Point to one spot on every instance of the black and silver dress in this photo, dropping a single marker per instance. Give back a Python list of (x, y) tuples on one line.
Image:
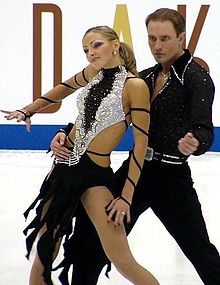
[(100, 106)]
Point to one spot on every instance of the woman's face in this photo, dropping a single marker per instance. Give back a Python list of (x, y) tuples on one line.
[(99, 51)]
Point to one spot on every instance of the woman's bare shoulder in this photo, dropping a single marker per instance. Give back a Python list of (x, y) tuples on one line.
[(135, 83), (90, 72)]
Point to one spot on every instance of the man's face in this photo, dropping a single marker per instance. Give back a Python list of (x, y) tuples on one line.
[(165, 46)]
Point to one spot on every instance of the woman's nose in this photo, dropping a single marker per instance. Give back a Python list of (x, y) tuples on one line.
[(91, 52)]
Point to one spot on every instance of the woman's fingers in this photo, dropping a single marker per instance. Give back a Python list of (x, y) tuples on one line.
[(28, 124), (118, 211), (19, 116), (13, 115), (6, 112)]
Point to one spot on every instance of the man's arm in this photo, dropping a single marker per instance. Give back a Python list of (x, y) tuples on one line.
[(58, 141), (200, 89)]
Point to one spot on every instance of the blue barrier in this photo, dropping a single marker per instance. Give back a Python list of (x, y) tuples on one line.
[(16, 137)]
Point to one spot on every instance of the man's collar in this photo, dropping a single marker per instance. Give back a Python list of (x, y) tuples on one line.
[(179, 67)]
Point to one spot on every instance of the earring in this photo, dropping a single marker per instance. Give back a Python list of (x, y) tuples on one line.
[(114, 52)]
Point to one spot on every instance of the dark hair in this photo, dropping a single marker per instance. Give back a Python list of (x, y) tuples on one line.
[(125, 50), (166, 14)]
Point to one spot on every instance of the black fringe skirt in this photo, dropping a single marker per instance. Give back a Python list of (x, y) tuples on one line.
[(63, 187)]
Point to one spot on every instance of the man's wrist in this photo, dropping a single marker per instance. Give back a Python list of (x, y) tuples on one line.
[(66, 130)]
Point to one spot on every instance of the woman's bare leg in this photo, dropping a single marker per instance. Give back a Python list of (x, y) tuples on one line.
[(113, 239), (36, 273), (37, 268)]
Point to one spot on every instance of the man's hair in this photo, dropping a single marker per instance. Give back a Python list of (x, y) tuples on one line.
[(166, 14)]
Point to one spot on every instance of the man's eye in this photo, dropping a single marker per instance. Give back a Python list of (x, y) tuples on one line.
[(85, 51), (152, 39), (165, 39)]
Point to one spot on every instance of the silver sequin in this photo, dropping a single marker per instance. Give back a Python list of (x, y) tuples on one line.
[(109, 112)]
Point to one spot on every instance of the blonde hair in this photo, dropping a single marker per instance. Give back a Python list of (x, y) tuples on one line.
[(125, 51)]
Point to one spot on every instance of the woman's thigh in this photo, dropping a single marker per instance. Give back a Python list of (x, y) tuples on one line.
[(113, 238)]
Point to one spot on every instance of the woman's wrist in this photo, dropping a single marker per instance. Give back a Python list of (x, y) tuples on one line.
[(125, 200), (25, 112)]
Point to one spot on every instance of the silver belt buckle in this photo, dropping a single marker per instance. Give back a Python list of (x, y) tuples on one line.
[(149, 154)]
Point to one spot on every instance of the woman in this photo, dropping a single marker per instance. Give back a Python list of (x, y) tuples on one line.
[(107, 104)]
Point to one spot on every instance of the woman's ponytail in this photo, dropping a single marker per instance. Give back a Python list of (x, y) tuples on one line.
[(127, 55)]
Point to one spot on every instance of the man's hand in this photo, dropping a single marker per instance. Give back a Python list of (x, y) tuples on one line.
[(188, 144), (58, 148)]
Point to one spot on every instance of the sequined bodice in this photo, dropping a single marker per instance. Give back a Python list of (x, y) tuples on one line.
[(99, 105)]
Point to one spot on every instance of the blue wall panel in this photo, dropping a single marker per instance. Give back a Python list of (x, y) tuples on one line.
[(16, 137)]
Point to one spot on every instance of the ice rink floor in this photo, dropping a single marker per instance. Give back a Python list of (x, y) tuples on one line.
[(21, 174)]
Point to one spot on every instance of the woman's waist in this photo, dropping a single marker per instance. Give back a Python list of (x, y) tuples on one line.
[(99, 157)]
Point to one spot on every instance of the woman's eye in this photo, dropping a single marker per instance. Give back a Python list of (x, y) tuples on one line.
[(97, 44), (85, 51)]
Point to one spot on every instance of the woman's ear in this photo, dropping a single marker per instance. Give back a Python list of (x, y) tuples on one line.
[(116, 44)]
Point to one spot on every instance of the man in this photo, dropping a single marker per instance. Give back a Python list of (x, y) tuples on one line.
[(181, 124)]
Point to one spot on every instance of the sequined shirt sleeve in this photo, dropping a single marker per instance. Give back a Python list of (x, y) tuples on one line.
[(200, 89)]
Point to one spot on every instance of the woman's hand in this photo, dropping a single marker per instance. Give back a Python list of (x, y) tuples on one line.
[(118, 210), (20, 115)]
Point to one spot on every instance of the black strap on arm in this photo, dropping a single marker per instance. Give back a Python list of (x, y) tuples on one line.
[(125, 200), (131, 181), (141, 130), (67, 85), (136, 161), (26, 115), (84, 77), (140, 109), (48, 99), (77, 83)]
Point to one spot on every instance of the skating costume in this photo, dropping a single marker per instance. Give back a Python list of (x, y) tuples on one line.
[(100, 106), (166, 186)]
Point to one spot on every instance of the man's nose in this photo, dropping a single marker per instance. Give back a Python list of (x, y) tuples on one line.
[(158, 44)]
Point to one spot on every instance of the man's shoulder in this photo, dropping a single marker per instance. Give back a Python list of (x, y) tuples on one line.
[(146, 72), (197, 77), (195, 70)]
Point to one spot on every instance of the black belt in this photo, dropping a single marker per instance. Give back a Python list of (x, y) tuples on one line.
[(166, 158)]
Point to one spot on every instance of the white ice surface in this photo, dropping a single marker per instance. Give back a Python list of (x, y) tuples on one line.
[(21, 174)]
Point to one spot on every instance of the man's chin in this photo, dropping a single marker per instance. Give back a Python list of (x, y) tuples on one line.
[(159, 59)]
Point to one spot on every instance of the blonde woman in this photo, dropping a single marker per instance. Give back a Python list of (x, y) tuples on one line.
[(113, 97)]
